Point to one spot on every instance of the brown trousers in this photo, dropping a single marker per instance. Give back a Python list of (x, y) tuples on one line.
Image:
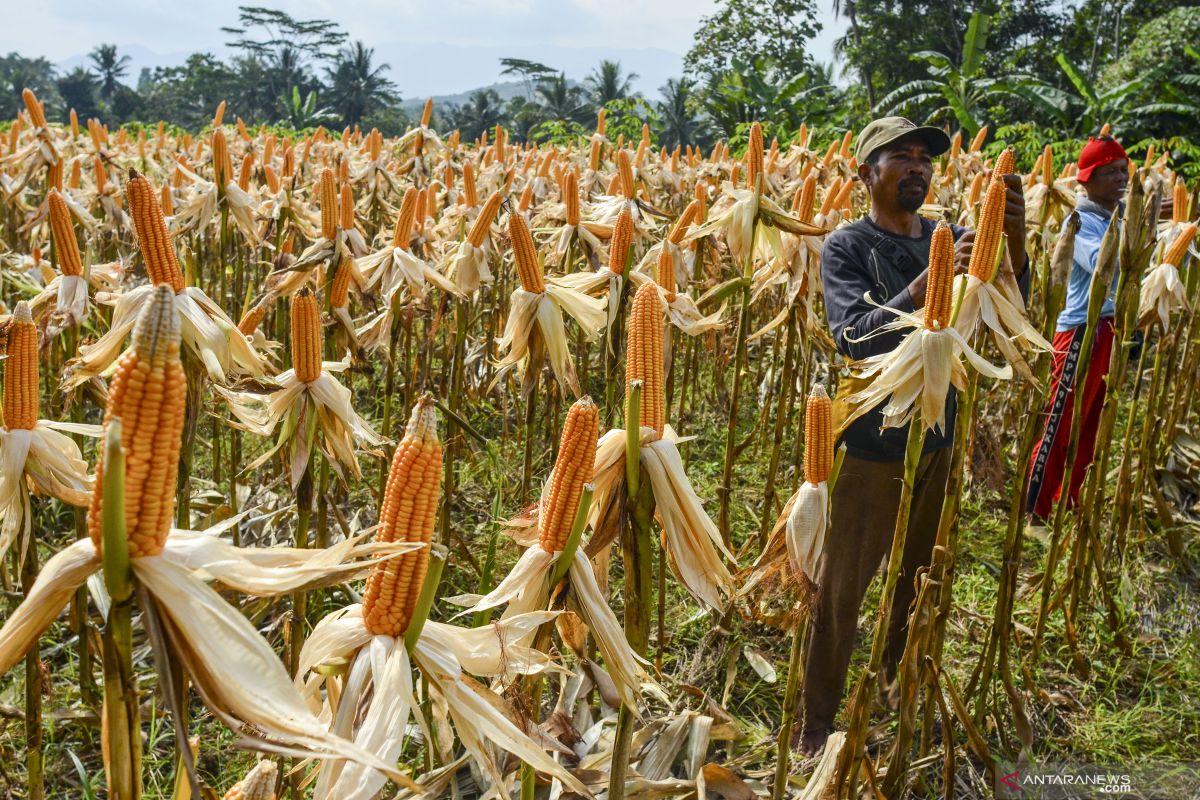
[(865, 502)]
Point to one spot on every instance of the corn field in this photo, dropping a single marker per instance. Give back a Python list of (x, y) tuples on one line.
[(336, 466)]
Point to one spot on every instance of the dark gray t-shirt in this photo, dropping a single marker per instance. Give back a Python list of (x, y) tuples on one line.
[(862, 258)]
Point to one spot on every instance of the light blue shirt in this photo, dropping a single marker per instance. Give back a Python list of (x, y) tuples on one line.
[(1093, 223)]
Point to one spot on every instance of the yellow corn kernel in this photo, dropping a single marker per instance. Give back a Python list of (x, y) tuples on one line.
[(253, 318), (307, 336), (1179, 247), (62, 233), (1006, 162), (644, 355), (346, 207), (409, 513), (483, 222), (622, 239), (21, 371), (818, 436), (162, 265), (939, 287), (148, 393), (327, 197), (572, 470), (754, 156), (529, 269), (988, 231)]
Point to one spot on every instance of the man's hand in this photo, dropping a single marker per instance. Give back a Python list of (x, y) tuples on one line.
[(1014, 222), (1167, 210), (962, 260), (962, 252)]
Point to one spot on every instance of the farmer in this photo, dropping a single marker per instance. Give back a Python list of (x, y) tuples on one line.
[(885, 254), (1103, 174)]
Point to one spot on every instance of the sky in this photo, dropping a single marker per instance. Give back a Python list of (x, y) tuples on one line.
[(433, 46)]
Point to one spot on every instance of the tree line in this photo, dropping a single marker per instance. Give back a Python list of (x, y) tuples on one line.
[(1038, 70)]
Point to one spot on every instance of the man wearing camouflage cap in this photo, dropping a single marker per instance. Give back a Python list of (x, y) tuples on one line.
[(884, 256)]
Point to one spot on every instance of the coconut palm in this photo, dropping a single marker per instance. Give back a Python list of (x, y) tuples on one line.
[(357, 86), (562, 101), (109, 68), (606, 83), (679, 124)]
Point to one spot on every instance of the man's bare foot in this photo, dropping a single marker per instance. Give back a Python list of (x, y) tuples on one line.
[(813, 741)]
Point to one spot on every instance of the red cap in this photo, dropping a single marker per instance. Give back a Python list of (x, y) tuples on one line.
[(1097, 153)]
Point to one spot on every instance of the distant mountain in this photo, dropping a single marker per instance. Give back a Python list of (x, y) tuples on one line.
[(506, 89)]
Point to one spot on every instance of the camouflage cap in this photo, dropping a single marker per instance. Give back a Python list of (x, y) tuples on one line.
[(884, 131)]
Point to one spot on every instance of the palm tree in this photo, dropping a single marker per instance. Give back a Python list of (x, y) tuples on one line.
[(483, 111), (109, 69), (679, 124), (606, 83), (356, 85), (562, 101), (78, 90), (956, 91)]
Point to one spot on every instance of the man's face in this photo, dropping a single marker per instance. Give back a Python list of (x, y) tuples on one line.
[(900, 178), (1107, 183)]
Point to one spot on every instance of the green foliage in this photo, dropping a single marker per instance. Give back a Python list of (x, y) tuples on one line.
[(762, 91), (625, 118), (772, 30), (17, 73)]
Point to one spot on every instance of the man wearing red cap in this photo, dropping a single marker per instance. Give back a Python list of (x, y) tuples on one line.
[(1103, 174)]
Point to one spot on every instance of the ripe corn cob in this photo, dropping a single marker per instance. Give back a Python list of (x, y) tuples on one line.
[(259, 783), (976, 189), (625, 171), (979, 139), (76, 174), (272, 179), (247, 171), (306, 336), (219, 115), (570, 193), (62, 233), (529, 269), (644, 354), (162, 265), (594, 156), (988, 231), (818, 436), (754, 156), (409, 512), (1047, 166), (622, 238), (339, 286), (37, 114), (939, 288), (572, 469), (254, 317), (222, 165), (21, 371), (684, 222), (148, 393), (55, 178), (526, 199), (100, 174), (469, 188), (805, 196), (483, 222), (956, 145), (327, 201), (1006, 162), (404, 219), (346, 207), (1178, 248), (1179, 208), (843, 196), (168, 205)]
